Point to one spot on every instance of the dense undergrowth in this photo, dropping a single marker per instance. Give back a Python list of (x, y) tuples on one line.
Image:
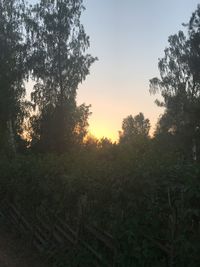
[(148, 200)]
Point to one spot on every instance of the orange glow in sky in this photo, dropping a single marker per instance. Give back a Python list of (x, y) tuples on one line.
[(100, 131), (128, 37), (128, 50)]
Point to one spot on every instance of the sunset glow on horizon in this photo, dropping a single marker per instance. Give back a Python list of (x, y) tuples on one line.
[(100, 131), (128, 38)]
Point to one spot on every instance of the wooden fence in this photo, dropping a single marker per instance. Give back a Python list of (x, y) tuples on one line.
[(53, 239)]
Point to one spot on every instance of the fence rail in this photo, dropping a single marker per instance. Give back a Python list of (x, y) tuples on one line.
[(51, 238)]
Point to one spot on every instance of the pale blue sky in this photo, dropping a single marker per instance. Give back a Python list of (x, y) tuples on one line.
[(128, 37)]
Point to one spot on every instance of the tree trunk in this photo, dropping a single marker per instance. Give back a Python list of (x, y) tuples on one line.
[(11, 137)]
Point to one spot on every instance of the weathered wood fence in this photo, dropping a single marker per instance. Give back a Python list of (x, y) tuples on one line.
[(52, 239)]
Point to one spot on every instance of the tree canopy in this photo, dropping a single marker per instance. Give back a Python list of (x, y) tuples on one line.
[(132, 127), (59, 64), (47, 43), (13, 72), (179, 83)]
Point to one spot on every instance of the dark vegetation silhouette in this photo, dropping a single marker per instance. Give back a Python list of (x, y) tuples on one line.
[(142, 190)]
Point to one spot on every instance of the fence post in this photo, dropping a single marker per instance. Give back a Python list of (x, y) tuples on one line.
[(82, 204)]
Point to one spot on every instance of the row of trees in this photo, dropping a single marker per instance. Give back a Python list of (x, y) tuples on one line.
[(47, 43)]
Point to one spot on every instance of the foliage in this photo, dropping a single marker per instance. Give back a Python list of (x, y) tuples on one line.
[(132, 127), (179, 85), (13, 71), (140, 196), (59, 64)]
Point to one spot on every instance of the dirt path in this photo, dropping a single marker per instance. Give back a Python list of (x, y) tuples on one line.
[(17, 253)]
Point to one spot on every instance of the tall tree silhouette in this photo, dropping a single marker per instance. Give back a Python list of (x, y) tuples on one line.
[(179, 84), (59, 64), (133, 127), (13, 71)]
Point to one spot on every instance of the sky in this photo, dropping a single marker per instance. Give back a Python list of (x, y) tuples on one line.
[(128, 37)]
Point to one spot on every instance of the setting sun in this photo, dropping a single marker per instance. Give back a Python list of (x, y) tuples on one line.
[(100, 131)]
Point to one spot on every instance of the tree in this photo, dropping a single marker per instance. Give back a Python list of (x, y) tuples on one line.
[(175, 80), (59, 64), (179, 84), (194, 34), (105, 143), (13, 71), (133, 127)]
